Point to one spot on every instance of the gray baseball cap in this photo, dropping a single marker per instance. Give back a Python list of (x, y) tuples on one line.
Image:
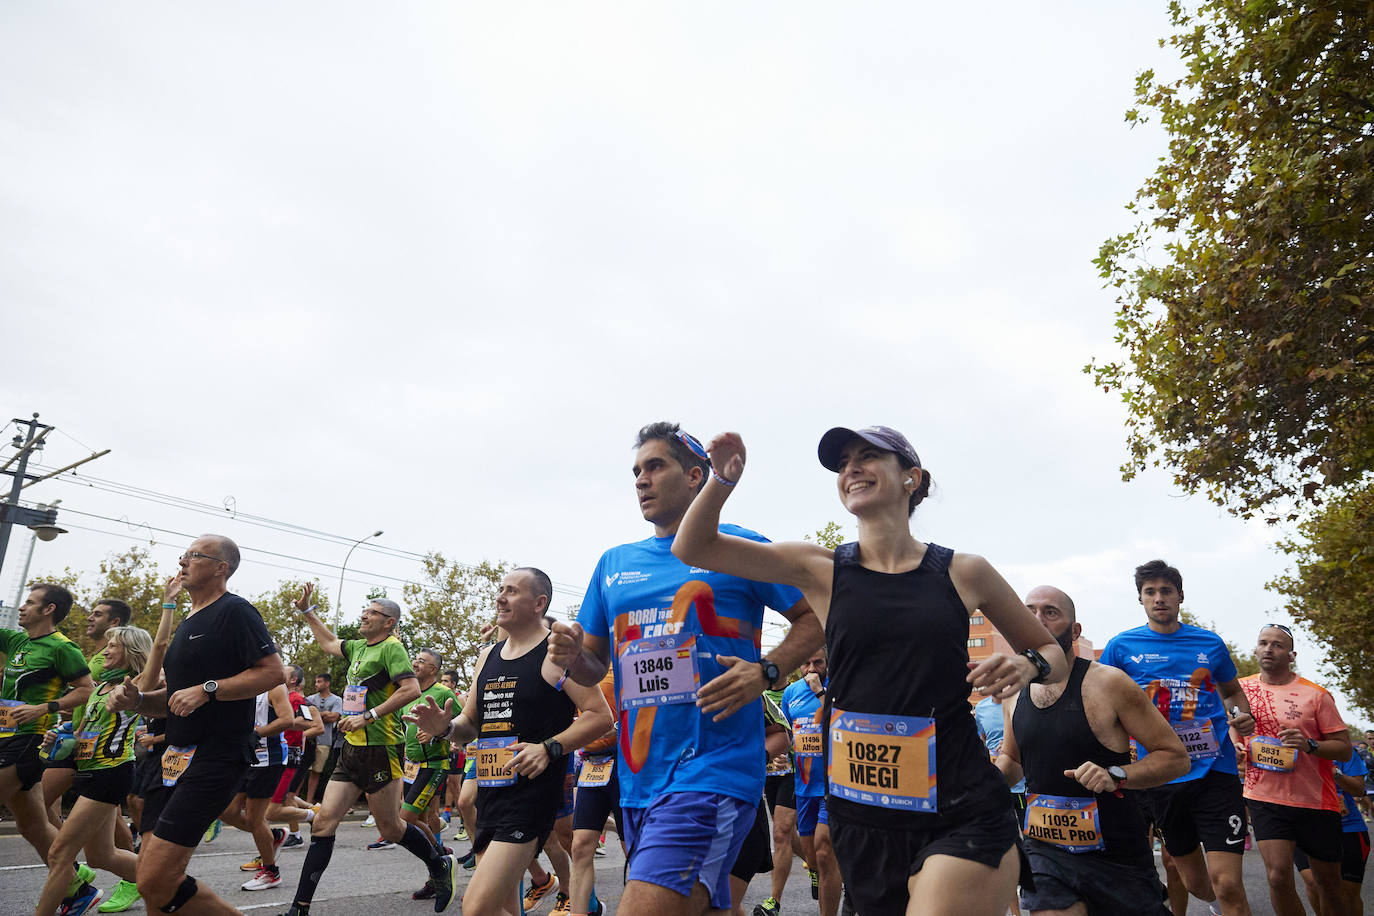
[(884, 437)]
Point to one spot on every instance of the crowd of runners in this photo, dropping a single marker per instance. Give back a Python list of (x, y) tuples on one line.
[(656, 715)]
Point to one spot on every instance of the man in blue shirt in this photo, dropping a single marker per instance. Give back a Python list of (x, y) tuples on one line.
[(691, 771), (1188, 674), (801, 705)]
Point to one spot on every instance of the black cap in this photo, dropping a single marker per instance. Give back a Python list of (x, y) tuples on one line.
[(884, 437)]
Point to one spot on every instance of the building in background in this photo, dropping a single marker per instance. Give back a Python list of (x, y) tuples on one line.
[(984, 640)]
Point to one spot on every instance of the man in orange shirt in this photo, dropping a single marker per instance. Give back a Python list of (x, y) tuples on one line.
[(1290, 792)]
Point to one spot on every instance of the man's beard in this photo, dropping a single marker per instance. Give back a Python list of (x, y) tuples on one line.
[(1066, 641)]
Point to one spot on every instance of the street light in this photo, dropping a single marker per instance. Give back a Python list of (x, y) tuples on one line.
[(338, 595)]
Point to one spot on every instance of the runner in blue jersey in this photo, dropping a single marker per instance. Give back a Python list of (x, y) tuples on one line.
[(685, 645), (801, 706), (1188, 674)]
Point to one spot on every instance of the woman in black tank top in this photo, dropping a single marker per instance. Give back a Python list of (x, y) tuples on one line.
[(920, 819)]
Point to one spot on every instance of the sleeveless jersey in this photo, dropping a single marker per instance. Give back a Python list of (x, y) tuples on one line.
[(271, 750), (514, 701), (898, 645), (113, 732), (1058, 738)]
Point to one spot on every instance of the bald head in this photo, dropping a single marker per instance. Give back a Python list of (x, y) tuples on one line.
[(1054, 608)]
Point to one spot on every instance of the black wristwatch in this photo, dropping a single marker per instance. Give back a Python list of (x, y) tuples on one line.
[(53, 706), (1311, 746), (554, 749), (770, 673), (1042, 667), (1118, 774)]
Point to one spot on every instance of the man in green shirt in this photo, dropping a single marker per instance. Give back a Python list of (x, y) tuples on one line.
[(40, 663), (380, 683), (427, 761)]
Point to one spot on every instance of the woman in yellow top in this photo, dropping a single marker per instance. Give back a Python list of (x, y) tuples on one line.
[(104, 772)]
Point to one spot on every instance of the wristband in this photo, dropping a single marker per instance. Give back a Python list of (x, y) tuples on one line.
[(728, 483), (169, 605), (53, 707), (309, 610), (562, 680)]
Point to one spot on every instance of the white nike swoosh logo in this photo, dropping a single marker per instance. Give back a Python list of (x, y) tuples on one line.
[(1234, 842), (197, 636)]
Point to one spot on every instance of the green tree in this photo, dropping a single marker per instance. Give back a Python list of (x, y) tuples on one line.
[(295, 643), (1331, 591), (1246, 289), (832, 536), (448, 610), (130, 576), (1246, 664)]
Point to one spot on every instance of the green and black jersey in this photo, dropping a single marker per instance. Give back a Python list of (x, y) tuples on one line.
[(432, 756), (104, 738), (378, 669), (97, 665), (36, 671)]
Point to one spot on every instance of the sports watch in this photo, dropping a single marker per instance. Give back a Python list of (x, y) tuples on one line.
[(210, 687), (1311, 746), (1118, 774), (770, 673), (553, 749), (1042, 667)]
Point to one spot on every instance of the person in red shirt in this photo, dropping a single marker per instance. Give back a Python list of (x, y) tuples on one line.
[(1289, 789)]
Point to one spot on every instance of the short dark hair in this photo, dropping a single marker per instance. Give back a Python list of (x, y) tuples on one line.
[(1157, 569), (297, 673), (452, 675), (119, 610), (59, 597), (667, 432), (328, 678), (543, 585)]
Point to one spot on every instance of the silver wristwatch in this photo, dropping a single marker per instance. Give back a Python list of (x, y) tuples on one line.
[(210, 687)]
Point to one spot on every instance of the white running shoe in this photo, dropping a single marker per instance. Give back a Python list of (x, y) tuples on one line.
[(263, 880), (369, 822)]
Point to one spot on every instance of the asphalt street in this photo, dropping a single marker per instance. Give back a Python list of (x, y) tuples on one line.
[(360, 881)]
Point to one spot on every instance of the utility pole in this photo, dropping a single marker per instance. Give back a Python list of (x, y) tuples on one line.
[(42, 520)]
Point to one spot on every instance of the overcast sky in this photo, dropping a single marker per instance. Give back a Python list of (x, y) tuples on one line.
[(428, 267)]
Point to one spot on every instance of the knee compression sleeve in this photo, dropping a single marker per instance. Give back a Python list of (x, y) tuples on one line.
[(185, 892)]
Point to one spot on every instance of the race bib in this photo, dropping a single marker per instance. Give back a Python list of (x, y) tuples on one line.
[(354, 700), (261, 753), (1198, 737), (85, 745), (411, 771), (782, 769), (659, 671), (492, 756), (884, 761), (1271, 754), (1065, 821), (7, 723), (807, 737), (175, 760), (596, 771)]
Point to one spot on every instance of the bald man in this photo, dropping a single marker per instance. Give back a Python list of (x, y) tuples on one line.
[(1085, 835)]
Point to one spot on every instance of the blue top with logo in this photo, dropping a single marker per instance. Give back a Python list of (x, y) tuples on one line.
[(1179, 672), (988, 715), (640, 591), (1352, 821), (800, 705)]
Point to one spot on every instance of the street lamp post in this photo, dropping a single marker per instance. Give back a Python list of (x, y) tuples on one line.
[(338, 594)]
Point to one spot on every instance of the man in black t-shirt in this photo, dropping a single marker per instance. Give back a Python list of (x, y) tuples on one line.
[(220, 659)]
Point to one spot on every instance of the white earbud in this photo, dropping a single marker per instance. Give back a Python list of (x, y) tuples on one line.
[(908, 480)]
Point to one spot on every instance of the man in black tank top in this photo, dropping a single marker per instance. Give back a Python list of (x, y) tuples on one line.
[(520, 709), (1085, 836)]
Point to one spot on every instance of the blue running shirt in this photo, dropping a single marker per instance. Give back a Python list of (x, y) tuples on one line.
[(988, 715), (1352, 821), (799, 706), (1179, 672), (641, 591)]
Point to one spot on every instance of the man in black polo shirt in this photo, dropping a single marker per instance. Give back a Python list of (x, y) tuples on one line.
[(220, 659)]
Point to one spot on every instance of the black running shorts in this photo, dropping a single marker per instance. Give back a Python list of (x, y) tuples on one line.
[(1065, 878), (756, 855), (369, 767), (876, 862), (109, 786), (1354, 855), (21, 752), (1316, 832), (1209, 810), (181, 812), (261, 782)]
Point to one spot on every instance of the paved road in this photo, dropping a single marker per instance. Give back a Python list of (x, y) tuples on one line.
[(364, 883)]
